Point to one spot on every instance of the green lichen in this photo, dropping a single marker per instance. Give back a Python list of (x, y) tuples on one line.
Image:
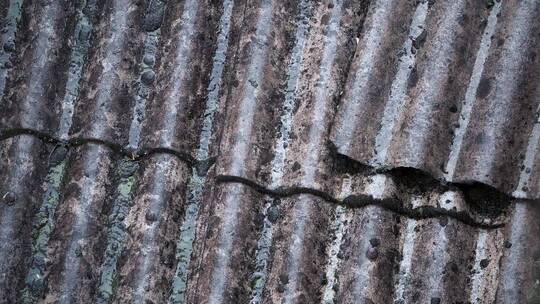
[(45, 217), (126, 170), (43, 227), (116, 233), (184, 245), (125, 188)]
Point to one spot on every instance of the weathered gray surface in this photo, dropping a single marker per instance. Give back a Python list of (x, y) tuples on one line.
[(269, 151)]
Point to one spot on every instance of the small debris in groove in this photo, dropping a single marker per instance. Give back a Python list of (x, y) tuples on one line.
[(375, 242), (9, 198), (148, 77), (372, 253), (484, 263)]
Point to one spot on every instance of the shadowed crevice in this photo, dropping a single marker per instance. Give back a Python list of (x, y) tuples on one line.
[(133, 154), (360, 201), (395, 205), (485, 199), (345, 164)]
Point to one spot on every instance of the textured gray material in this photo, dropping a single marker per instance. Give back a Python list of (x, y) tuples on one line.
[(269, 151), (465, 105)]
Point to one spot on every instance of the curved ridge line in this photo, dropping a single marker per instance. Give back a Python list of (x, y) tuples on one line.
[(361, 201), (133, 154)]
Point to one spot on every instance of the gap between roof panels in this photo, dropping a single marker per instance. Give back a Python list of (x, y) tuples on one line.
[(133, 154), (361, 200), (484, 200)]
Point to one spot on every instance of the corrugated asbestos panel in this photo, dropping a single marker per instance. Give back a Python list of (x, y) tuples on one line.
[(298, 98), (457, 97), (266, 151), (22, 164), (33, 73)]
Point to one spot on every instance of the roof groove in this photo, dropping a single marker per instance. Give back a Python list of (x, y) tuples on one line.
[(264, 243), (197, 181), (116, 228), (8, 41), (191, 223), (47, 26), (127, 167)]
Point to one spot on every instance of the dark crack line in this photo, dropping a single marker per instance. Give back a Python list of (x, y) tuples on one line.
[(202, 166), (361, 201), (358, 166), (135, 155)]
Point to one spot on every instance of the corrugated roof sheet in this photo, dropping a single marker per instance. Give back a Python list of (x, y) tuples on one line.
[(458, 99), (269, 151)]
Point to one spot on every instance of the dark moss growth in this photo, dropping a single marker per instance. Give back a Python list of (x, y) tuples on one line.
[(154, 15)]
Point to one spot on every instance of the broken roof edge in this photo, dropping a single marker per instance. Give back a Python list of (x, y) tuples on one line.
[(384, 168)]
